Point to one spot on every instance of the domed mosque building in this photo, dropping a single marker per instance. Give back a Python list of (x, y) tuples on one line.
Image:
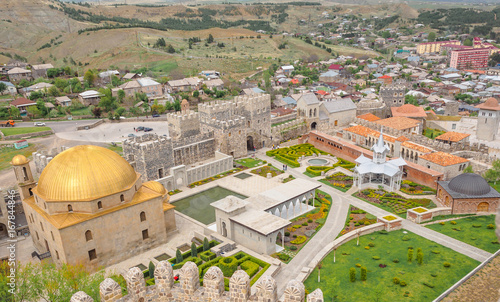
[(468, 193), (90, 207)]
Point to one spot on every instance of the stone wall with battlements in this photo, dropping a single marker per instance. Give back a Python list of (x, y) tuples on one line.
[(189, 289), (288, 130), (393, 95), (192, 149), (184, 125), (230, 135)]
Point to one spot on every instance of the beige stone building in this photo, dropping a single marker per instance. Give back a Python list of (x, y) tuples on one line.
[(90, 207)]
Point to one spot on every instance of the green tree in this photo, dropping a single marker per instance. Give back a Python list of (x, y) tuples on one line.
[(431, 37), (363, 273), (410, 255), (177, 105), (97, 111), (121, 95), (194, 252), (352, 274), (196, 93), (120, 111), (40, 104), (178, 257), (53, 91), (53, 113), (151, 268), (467, 42), (468, 169), (170, 49), (24, 83), (410, 99), (206, 244), (3, 87), (14, 112), (89, 77), (420, 256), (134, 111), (33, 111), (145, 107), (210, 38)]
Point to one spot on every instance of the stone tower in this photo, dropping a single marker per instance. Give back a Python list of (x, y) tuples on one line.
[(24, 176), (185, 106), (393, 95), (451, 108), (488, 119)]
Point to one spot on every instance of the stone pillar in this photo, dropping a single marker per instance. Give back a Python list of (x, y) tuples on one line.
[(136, 285), (315, 296), (81, 297), (267, 291), (110, 291), (190, 278), (213, 282), (239, 287), (294, 291), (164, 280)]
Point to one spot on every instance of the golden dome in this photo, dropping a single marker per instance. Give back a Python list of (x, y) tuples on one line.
[(85, 173), (19, 160), (155, 186)]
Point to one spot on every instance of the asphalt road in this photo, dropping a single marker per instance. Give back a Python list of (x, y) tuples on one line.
[(61, 126)]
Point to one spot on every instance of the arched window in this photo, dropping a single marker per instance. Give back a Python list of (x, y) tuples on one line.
[(99, 204), (143, 216), (122, 198), (25, 172), (70, 208), (88, 235)]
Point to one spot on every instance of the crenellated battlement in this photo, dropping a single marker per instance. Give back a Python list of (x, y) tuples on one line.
[(189, 290), (224, 125), (178, 116), (148, 141), (180, 142)]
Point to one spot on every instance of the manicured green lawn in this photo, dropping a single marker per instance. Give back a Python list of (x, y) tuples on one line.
[(117, 148), (22, 130), (479, 236), (7, 153), (379, 285), (309, 174), (82, 111), (331, 185), (250, 162)]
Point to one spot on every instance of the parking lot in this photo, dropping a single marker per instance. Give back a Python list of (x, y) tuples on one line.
[(113, 132)]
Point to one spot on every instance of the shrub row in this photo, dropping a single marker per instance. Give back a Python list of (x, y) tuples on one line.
[(196, 260), (207, 256), (250, 267), (199, 249)]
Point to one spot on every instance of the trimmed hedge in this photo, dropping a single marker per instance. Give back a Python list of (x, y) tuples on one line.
[(199, 249), (228, 266), (207, 255), (250, 267), (196, 261)]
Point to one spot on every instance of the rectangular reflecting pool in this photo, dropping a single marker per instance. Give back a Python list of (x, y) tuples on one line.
[(198, 207)]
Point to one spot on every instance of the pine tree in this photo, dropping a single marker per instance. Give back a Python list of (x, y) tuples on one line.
[(178, 257), (194, 252), (420, 256), (352, 274), (206, 244), (363, 273), (410, 255), (151, 269)]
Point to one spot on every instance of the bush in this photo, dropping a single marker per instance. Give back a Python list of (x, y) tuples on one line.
[(228, 266), (428, 284), (294, 236), (207, 256), (206, 245), (402, 283), (490, 226), (434, 275), (252, 268), (371, 244), (363, 273), (367, 247), (287, 234), (383, 232), (300, 239), (178, 257), (151, 269), (410, 255), (284, 257), (297, 226), (305, 224), (352, 274), (194, 252), (405, 238), (395, 260), (293, 248), (441, 223), (395, 280), (358, 265), (446, 264), (420, 257), (436, 252), (476, 225), (310, 220), (453, 222), (376, 258)]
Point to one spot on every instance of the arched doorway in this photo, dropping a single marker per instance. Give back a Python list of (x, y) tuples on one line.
[(483, 207), (447, 200), (250, 146), (224, 229), (313, 126), (280, 239)]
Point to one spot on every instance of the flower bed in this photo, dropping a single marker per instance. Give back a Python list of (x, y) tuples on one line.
[(289, 178), (176, 191), (339, 181), (289, 155), (389, 218), (413, 188), (218, 176), (393, 202), (262, 171), (356, 219)]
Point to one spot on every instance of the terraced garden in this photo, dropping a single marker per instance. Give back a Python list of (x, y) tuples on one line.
[(313, 171), (357, 218), (478, 231), (412, 188), (262, 171), (393, 202), (339, 181), (382, 268), (290, 155)]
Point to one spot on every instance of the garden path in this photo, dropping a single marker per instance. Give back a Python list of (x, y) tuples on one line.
[(335, 223)]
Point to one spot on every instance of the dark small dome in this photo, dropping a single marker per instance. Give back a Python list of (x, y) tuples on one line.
[(469, 184)]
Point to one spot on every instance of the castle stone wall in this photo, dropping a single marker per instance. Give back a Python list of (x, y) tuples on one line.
[(189, 289)]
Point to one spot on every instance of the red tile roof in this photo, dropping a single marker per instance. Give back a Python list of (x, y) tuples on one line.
[(385, 77), (398, 122), (444, 159), (414, 146), (490, 104), (408, 110), (369, 117), (22, 102), (452, 136)]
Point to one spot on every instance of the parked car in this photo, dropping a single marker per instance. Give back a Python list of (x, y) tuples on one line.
[(39, 124), (147, 129), (141, 128), (122, 117), (131, 135), (156, 115)]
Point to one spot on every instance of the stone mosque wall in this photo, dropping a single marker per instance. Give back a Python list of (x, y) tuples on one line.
[(189, 289)]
